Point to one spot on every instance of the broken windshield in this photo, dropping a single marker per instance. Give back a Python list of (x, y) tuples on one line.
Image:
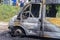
[(31, 10)]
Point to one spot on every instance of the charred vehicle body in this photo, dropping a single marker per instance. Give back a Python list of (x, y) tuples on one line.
[(28, 22)]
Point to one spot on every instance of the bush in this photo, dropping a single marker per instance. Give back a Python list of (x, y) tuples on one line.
[(7, 11), (58, 13)]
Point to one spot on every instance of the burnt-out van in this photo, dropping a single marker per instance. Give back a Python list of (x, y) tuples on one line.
[(31, 21)]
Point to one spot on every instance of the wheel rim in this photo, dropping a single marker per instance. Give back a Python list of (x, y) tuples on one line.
[(18, 32)]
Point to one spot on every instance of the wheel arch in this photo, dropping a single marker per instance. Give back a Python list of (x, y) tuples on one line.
[(24, 29)]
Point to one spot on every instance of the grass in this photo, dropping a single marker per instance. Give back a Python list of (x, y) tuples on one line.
[(7, 11)]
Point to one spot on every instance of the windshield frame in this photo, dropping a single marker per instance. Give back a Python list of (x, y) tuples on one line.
[(30, 9)]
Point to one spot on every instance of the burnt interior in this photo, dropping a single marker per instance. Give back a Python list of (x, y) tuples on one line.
[(35, 9)]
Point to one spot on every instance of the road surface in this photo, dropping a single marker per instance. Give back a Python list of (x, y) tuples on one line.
[(4, 35)]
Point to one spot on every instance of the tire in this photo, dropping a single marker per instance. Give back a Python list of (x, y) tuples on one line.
[(13, 32)]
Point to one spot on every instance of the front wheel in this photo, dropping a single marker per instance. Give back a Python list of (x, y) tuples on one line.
[(17, 32)]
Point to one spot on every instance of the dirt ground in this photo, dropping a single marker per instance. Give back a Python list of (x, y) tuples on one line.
[(3, 26)]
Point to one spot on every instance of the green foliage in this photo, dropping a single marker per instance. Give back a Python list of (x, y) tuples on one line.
[(58, 11), (7, 11)]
